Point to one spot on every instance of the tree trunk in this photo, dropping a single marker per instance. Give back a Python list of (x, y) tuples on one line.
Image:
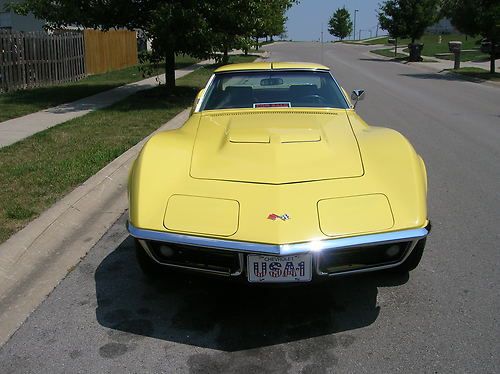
[(492, 57), (225, 58), (170, 68), (395, 47), (256, 43)]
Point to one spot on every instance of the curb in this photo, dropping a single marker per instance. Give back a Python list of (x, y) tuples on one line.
[(34, 260)]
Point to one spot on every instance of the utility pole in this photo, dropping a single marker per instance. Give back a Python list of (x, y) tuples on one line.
[(359, 37), (321, 42), (355, 12)]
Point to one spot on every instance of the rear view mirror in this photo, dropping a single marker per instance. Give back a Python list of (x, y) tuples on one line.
[(357, 95), (271, 82)]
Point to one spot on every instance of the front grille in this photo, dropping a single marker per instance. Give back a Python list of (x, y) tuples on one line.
[(195, 257), (346, 259)]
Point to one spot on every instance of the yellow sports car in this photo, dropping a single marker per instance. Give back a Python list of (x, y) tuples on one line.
[(275, 178)]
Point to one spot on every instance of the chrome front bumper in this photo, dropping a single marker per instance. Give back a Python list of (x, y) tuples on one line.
[(315, 247)]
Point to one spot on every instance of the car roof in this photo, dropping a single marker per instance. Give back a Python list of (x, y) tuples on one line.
[(271, 66)]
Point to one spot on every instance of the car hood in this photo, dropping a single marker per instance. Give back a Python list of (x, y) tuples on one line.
[(275, 147)]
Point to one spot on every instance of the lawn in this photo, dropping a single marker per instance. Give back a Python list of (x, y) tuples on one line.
[(381, 40), (19, 103), (38, 171), (466, 56), (432, 47), (389, 53), (399, 56), (478, 73)]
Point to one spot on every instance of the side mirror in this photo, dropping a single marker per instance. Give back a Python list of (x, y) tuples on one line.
[(357, 95)]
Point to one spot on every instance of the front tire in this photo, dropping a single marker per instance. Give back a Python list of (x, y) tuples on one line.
[(413, 259)]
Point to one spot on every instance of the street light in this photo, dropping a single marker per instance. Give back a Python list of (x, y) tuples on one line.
[(355, 11)]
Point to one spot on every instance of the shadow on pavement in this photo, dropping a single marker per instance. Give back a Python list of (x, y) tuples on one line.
[(229, 316)]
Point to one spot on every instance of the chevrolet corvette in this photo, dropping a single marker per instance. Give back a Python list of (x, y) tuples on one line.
[(275, 178)]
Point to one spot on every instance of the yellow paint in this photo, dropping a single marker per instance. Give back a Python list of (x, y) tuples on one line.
[(355, 215), (200, 215), (270, 65), (280, 146), (279, 176)]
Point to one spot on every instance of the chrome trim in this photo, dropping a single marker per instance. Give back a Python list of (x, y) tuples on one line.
[(146, 248), (312, 246), (202, 98)]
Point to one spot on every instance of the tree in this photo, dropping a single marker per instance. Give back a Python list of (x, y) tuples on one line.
[(340, 24), (175, 26), (477, 17), (390, 20), (197, 28), (408, 18), (268, 18)]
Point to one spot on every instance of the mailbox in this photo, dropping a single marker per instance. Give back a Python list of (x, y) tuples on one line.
[(455, 47), (391, 41)]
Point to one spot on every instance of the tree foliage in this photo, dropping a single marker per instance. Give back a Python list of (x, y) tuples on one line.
[(340, 24), (197, 28), (408, 18), (477, 17)]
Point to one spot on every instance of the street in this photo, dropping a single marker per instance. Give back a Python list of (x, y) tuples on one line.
[(105, 316)]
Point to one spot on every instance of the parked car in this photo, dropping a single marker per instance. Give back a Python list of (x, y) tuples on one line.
[(276, 178)]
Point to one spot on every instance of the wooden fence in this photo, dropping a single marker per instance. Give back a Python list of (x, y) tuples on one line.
[(34, 59), (109, 50), (30, 60)]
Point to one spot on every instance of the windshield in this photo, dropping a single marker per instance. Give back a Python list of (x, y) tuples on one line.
[(274, 89)]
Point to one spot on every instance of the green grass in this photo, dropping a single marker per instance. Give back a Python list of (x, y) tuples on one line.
[(38, 171), (466, 56), (433, 49), (390, 53), (381, 40), (431, 46), (477, 73), (19, 103)]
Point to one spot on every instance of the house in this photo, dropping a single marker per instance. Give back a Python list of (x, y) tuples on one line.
[(15, 22), (443, 26)]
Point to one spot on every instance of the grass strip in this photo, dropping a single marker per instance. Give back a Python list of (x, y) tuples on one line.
[(390, 53), (432, 47), (477, 73), (19, 103), (39, 170)]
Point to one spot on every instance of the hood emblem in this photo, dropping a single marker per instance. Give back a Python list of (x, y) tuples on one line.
[(274, 217)]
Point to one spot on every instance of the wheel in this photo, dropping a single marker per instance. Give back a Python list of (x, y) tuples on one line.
[(413, 259), (149, 267)]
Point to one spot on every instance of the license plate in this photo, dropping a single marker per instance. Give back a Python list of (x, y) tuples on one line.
[(279, 269)]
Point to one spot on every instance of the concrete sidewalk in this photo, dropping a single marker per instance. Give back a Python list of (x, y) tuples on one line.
[(34, 260), (16, 129)]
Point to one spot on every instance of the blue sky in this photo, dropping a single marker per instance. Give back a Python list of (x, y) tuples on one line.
[(304, 19)]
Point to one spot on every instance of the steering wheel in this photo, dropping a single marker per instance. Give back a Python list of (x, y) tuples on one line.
[(315, 97)]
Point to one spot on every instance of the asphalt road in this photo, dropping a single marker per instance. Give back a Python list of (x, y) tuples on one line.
[(106, 317)]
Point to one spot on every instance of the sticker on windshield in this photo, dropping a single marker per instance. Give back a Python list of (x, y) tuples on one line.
[(273, 105)]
